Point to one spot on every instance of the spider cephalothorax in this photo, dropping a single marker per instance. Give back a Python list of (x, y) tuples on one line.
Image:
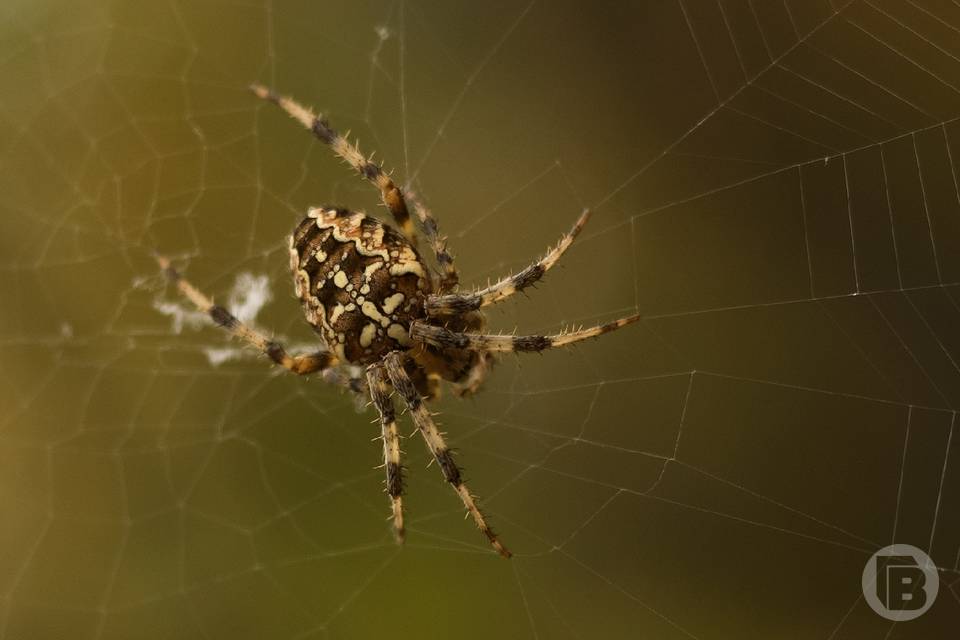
[(373, 300)]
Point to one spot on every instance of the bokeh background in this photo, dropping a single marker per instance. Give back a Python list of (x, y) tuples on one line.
[(774, 187)]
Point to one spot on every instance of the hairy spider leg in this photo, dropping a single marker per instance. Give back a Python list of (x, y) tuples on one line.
[(389, 192), (300, 364), (449, 277), (444, 338), (452, 304), (380, 394), (435, 442)]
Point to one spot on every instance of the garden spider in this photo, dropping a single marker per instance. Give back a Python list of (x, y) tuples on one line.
[(369, 295)]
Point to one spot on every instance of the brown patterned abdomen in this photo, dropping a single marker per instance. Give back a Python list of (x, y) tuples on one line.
[(361, 283)]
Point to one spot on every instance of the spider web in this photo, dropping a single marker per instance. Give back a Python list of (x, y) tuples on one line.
[(775, 189)]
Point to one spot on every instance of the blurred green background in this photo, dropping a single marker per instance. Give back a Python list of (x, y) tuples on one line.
[(774, 187)]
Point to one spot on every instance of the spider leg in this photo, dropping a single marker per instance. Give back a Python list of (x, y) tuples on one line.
[(444, 338), (347, 377), (449, 276), (424, 421), (475, 376), (452, 304), (300, 364), (380, 394), (389, 192)]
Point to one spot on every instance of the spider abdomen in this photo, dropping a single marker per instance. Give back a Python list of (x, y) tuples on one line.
[(361, 283)]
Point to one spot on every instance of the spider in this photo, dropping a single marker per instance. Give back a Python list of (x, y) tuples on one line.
[(367, 292)]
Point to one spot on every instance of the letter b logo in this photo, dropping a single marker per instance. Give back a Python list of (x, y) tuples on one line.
[(900, 582)]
